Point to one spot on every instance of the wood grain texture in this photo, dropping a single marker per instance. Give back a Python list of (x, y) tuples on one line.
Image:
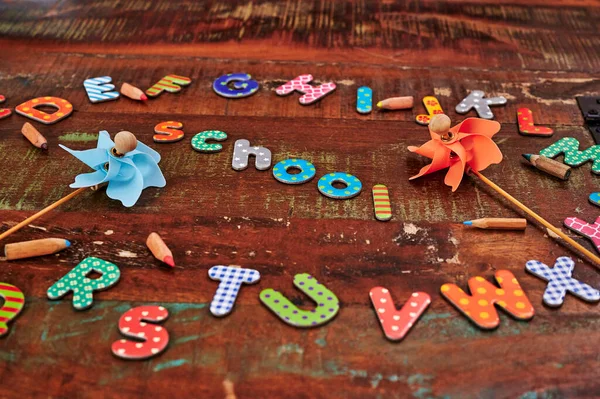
[(538, 54)]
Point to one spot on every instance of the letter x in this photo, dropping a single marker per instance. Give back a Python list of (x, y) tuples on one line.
[(560, 281)]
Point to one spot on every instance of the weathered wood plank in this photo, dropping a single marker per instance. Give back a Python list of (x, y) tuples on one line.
[(349, 352), (552, 35), (539, 54), (550, 95)]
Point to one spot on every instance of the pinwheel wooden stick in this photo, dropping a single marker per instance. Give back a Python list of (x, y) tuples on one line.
[(41, 213), (440, 125), (124, 143), (537, 217)]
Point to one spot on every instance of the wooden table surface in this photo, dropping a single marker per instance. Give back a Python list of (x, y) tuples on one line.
[(538, 54)]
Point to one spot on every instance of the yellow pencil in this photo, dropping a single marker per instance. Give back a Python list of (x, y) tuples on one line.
[(29, 249)]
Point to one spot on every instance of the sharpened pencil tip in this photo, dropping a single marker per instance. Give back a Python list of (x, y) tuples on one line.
[(468, 223), (169, 261), (44, 147), (527, 156), (67, 243), (379, 104), (143, 97)]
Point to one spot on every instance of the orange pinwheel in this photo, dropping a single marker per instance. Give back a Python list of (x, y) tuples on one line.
[(467, 145)]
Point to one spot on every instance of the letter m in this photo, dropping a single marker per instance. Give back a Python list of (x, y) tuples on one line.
[(573, 157)]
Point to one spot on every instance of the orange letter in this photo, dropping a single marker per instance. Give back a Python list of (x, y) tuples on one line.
[(479, 307), (63, 109)]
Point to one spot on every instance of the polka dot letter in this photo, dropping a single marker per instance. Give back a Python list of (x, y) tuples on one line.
[(479, 307), (573, 157), (397, 323), (63, 109), (149, 339), (328, 304), (82, 286)]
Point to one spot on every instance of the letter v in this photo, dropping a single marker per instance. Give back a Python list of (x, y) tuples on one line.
[(397, 323)]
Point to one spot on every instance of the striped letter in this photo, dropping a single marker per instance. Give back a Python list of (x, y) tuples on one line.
[(170, 83), (573, 157), (99, 89), (311, 93), (82, 286), (150, 339), (14, 300), (381, 201), (479, 307)]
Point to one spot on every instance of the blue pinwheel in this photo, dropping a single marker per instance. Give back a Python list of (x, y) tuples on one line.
[(128, 167)]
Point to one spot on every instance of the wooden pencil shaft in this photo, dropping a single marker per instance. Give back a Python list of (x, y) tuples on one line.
[(397, 103), (537, 217), (228, 388), (30, 249), (501, 223), (550, 166), (132, 92), (34, 136), (158, 248), (41, 213)]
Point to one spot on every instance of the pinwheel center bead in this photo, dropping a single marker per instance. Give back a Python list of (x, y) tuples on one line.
[(448, 137), (440, 124), (124, 142)]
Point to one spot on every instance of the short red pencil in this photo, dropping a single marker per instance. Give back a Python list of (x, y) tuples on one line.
[(133, 92), (159, 249)]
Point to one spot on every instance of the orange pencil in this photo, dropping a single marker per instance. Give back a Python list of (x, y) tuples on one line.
[(34, 136), (133, 92), (397, 103), (159, 249)]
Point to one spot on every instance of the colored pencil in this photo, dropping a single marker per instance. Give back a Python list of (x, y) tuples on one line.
[(549, 165), (498, 223), (133, 92), (159, 249), (34, 137), (396, 103), (30, 249), (228, 388)]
